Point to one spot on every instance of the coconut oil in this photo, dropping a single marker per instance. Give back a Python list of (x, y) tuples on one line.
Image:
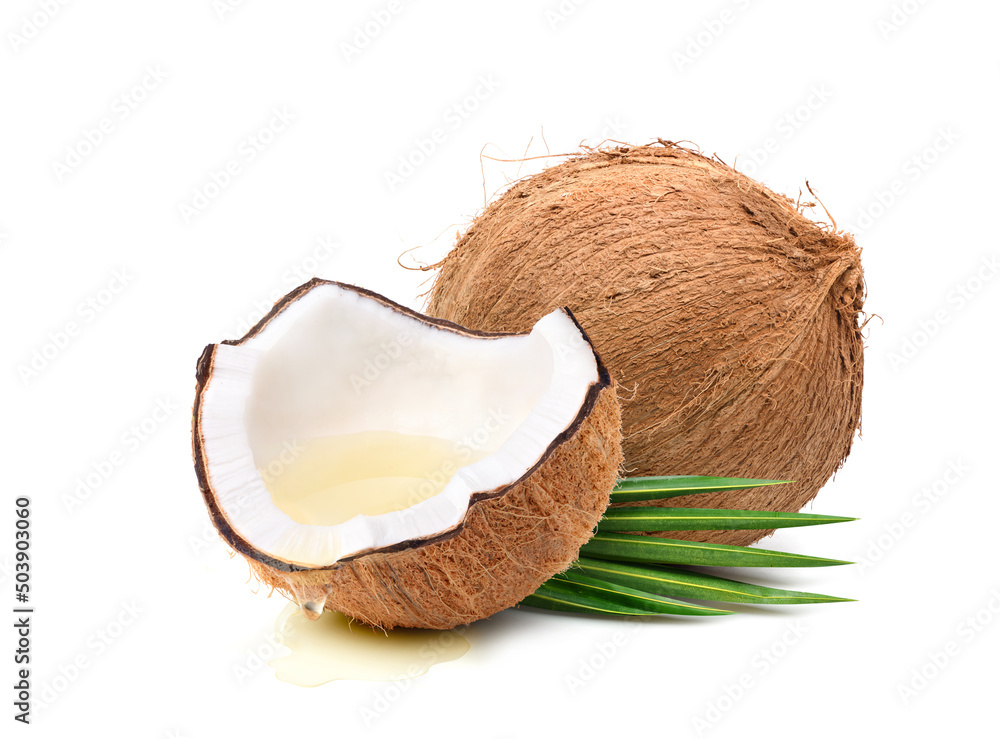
[(327, 480), (333, 648)]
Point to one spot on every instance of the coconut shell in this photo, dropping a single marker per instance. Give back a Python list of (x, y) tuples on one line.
[(730, 320), (511, 540)]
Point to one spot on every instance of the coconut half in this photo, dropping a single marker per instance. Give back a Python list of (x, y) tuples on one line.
[(402, 469)]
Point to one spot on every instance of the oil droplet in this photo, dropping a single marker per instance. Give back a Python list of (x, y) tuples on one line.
[(310, 600), (331, 647), (312, 610)]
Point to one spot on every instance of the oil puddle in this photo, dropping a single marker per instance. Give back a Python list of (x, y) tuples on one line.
[(331, 647)]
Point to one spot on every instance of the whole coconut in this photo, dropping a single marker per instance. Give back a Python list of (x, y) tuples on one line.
[(730, 321)]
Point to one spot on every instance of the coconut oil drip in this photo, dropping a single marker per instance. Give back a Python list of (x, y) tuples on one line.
[(333, 648), (310, 601), (328, 480)]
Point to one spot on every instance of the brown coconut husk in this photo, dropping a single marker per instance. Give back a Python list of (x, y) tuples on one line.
[(511, 540), (734, 318)]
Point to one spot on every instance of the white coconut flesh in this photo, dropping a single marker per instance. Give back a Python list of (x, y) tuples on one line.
[(346, 424)]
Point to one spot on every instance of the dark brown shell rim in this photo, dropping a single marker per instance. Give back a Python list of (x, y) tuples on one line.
[(204, 374)]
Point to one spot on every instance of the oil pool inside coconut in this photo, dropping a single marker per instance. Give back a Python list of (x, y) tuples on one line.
[(334, 648), (328, 480)]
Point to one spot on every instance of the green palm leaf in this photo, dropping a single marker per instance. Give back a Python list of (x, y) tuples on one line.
[(698, 519), (634, 548), (631, 489), (625, 574), (675, 583), (578, 593), (550, 598)]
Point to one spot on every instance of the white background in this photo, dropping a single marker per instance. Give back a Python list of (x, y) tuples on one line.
[(889, 109)]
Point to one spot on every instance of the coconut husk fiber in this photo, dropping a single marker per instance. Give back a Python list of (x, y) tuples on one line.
[(730, 320)]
